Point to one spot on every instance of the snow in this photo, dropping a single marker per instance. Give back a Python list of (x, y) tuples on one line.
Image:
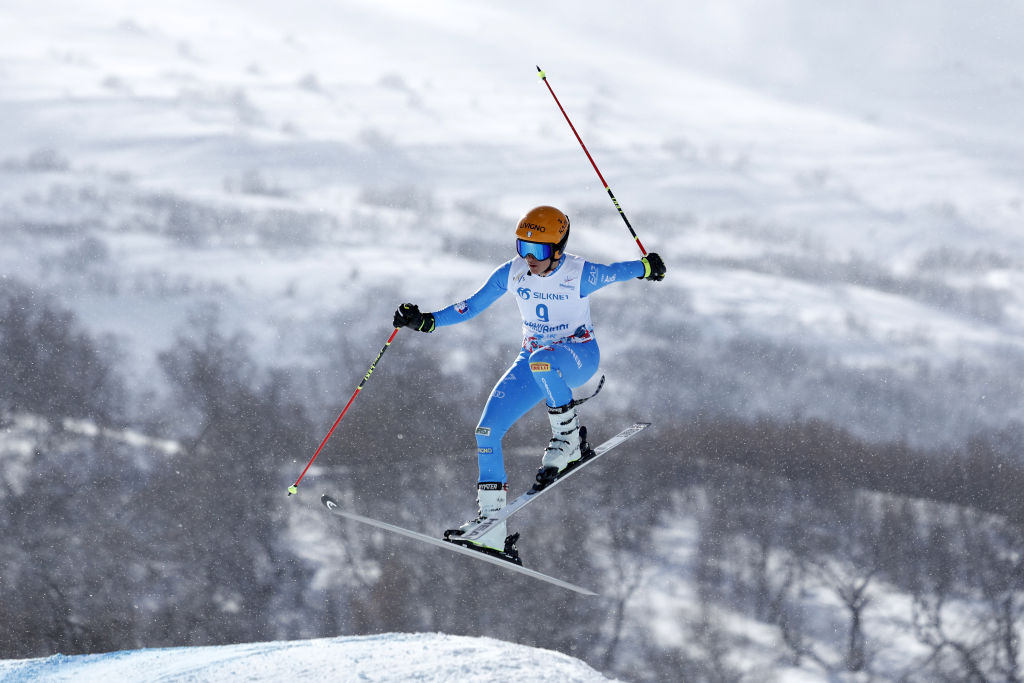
[(127, 436), (394, 657), (797, 164)]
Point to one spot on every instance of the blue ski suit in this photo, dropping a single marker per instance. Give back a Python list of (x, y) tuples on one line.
[(559, 351)]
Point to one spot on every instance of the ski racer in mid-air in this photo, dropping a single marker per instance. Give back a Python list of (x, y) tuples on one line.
[(559, 353)]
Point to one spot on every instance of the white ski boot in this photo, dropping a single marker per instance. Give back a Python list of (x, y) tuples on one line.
[(564, 447), (491, 497)]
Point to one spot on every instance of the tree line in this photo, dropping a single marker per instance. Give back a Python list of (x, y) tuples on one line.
[(110, 545)]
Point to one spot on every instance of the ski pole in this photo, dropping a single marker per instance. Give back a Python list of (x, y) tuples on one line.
[(294, 488), (544, 77)]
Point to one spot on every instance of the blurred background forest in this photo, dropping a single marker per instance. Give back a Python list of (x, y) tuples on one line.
[(842, 551)]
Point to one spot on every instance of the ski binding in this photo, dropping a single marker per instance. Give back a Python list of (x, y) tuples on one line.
[(536, 492)]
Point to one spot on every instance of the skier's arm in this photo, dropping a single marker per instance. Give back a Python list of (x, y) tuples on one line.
[(496, 285), (598, 275)]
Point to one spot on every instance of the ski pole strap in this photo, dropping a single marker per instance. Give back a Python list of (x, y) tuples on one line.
[(578, 401), (428, 323)]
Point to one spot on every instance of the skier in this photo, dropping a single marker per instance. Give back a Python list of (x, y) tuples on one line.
[(559, 353)]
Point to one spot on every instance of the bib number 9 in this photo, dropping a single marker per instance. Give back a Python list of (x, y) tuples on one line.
[(542, 313)]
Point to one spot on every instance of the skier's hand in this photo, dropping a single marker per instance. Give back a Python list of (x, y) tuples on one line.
[(408, 315), (654, 268)]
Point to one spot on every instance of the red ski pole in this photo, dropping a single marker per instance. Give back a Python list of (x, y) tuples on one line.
[(294, 488), (544, 77)]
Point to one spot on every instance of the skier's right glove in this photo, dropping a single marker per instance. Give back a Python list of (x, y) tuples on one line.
[(408, 315), (654, 268)]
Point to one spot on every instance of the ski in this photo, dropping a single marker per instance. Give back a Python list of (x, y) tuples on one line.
[(525, 499), (333, 506)]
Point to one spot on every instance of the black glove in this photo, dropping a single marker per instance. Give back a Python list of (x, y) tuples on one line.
[(654, 268), (408, 315)]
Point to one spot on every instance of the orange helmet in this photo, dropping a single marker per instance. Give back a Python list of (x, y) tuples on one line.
[(543, 232)]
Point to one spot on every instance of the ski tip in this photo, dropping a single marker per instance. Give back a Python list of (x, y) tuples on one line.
[(328, 502)]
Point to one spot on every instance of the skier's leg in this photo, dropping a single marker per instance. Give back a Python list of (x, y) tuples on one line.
[(512, 397), (560, 368), (557, 370)]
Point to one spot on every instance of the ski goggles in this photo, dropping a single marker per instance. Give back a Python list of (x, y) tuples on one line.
[(537, 250)]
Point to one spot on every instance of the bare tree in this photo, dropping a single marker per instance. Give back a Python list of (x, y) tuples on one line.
[(50, 366), (851, 586), (629, 534), (971, 613)]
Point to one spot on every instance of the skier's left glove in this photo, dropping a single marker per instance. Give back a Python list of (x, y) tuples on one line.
[(654, 268), (408, 315)]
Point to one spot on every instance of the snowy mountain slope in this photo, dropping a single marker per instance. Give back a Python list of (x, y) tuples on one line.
[(842, 182), (386, 657), (664, 607), (837, 192)]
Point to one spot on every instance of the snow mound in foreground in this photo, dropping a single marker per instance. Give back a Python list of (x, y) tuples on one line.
[(388, 657)]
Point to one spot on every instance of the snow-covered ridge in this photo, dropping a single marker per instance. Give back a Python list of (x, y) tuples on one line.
[(127, 436), (805, 193), (390, 657)]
